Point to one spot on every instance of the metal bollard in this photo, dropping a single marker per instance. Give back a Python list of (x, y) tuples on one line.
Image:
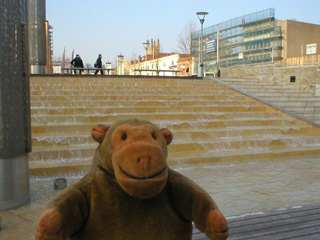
[(60, 183)]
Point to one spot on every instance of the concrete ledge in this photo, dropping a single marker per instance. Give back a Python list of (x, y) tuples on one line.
[(116, 76)]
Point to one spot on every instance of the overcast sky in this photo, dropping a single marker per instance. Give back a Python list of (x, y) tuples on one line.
[(113, 27)]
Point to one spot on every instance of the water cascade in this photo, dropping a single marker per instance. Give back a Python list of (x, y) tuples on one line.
[(211, 123)]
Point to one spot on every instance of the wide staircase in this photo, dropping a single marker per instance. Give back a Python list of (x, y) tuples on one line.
[(303, 104), (211, 123)]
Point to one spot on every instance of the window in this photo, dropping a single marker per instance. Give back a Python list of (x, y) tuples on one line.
[(292, 79)]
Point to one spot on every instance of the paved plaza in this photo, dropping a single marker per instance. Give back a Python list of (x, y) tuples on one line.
[(238, 189)]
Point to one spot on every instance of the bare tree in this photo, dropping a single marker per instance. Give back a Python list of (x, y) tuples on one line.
[(184, 38), (134, 57)]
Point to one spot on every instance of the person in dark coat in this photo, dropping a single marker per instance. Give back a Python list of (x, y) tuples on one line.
[(77, 63), (98, 65)]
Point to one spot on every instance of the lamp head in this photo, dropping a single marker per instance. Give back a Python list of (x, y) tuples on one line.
[(201, 16), (146, 44)]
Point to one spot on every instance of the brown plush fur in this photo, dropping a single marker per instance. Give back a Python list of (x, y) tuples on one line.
[(131, 193)]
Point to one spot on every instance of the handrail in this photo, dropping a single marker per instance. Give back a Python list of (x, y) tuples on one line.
[(157, 71), (87, 69)]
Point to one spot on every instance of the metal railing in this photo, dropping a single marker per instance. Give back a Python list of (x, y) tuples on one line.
[(157, 71), (89, 70)]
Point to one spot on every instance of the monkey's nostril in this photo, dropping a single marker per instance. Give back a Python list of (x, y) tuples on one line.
[(149, 158), (139, 159)]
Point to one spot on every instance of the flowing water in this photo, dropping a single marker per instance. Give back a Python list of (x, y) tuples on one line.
[(211, 123)]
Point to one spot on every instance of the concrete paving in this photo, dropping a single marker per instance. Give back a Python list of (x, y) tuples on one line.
[(238, 189)]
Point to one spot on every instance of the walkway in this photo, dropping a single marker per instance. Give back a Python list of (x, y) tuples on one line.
[(299, 222), (239, 190)]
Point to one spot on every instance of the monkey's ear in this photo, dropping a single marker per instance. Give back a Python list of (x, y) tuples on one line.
[(167, 135), (98, 132)]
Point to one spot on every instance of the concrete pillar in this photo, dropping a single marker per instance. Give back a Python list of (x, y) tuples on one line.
[(14, 182), (15, 122)]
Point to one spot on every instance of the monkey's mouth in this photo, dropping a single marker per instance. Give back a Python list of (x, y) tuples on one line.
[(143, 178)]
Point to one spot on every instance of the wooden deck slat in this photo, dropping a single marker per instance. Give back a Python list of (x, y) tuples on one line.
[(285, 232), (275, 224), (276, 214), (293, 223)]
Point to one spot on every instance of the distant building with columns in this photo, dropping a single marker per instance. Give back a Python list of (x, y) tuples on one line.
[(120, 65), (163, 61)]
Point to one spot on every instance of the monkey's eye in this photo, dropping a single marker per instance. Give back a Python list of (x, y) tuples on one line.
[(154, 136), (124, 137)]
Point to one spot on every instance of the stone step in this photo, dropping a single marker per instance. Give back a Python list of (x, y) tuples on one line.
[(254, 85), (165, 97), (154, 92), (101, 118), (126, 87), (63, 168), (146, 109), (308, 114), (81, 152), (200, 134), (123, 103), (304, 104), (297, 103), (85, 128), (290, 99), (315, 120), (303, 109), (269, 89), (246, 82), (114, 80), (279, 94)]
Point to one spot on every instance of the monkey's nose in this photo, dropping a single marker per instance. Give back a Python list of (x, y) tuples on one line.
[(144, 162)]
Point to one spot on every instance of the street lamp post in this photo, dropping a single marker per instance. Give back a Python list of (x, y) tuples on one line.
[(146, 45), (201, 16)]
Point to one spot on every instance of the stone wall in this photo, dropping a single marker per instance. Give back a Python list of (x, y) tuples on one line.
[(307, 78)]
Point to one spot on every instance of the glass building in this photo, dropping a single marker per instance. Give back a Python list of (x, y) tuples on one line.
[(252, 38)]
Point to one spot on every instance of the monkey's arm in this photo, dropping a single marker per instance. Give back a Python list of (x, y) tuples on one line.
[(64, 216), (194, 204)]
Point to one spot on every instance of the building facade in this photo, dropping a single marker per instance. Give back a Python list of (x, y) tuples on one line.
[(120, 65), (299, 39), (254, 38), (169, 62), (37, 35), (49, 48), (185, 65)]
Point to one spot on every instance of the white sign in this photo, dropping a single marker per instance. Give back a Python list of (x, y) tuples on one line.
[(56, 69), (263, 36), (311, 48), (211, 46), (240, 55)]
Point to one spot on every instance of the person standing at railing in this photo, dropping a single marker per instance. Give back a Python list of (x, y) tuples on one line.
[(98, 64), (77, 63)]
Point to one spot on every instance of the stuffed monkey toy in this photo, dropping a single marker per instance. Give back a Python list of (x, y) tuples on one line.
[(131, 193)]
